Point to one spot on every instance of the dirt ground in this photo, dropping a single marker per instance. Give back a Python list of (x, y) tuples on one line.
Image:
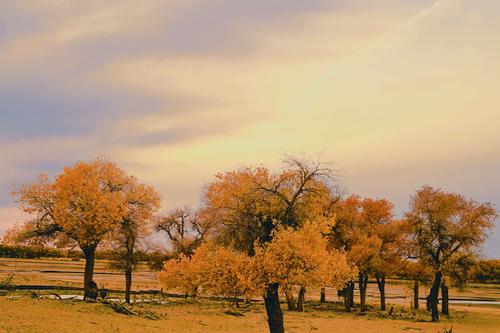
[(23, 314)]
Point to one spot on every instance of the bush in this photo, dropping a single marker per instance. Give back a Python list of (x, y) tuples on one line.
[(31, 252), (153, 259), (488, 271)]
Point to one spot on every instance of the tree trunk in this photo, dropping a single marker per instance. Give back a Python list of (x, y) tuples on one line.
[(128, 284), (88, 283), (381, 289), (363, 282), (444, 297), (300, 299), (322, 296), (129, 266), (433, 296), (273, 309), (290, 300), (415, 294), (347, 301), (350, 286)]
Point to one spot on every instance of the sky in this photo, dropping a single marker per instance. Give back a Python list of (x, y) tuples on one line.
[(396, 94)]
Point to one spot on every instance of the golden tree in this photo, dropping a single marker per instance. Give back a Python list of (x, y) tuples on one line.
[(444, 225), (301, 258), (240, 214), (184, 273), (212, 269), (81, 206), (228, 273), (248, 205), (389, 259), (363, 229), (142, 202)]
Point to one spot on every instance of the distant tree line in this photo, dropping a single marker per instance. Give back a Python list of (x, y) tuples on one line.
[(487, 271), (36, 252), (154, 259)]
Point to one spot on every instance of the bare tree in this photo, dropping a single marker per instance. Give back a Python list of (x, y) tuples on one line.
[(184, 229)]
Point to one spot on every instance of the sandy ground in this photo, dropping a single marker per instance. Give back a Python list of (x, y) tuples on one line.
[(41, 315)]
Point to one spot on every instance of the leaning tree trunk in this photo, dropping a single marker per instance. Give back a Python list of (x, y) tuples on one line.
[(300, 299), (363, 282), (273, 309), (290, 300), (433, 296), (322, 296), (88, 283), (444, 297), (381, 289), (415, 294)]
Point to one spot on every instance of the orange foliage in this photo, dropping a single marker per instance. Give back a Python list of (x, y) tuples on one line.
[(293, 257), (84, 203), (366, 230), (212, 269), (446, 224), (300, 257)]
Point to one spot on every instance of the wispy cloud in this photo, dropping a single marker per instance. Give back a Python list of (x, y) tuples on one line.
[(178, 90)]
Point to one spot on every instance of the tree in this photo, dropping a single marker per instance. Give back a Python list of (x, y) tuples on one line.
[(246, 216), (183, 273), (185, 229), (249, 204), (418, 272), (83, 204), (389, 259), (142, 202), (364, 230), (302, 191), (214, 270), (460, 268), (241, 214), (343, 236), (487, 271), (300, 257), (228, 273), (363, 254), (443, 225)]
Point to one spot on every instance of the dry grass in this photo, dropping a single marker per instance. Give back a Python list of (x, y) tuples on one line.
[(43, 315)]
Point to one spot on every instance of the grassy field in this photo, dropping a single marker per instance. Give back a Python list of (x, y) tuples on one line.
[(23, 314), (20, 312)]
